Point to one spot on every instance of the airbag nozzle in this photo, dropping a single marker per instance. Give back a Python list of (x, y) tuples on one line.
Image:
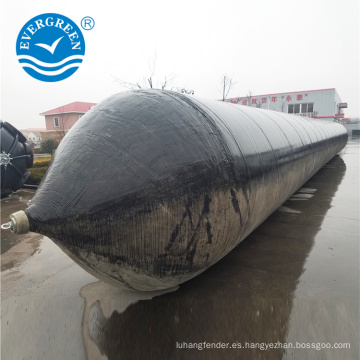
[(18, 223)]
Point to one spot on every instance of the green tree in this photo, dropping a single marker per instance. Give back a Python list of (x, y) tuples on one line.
[(49, 146)]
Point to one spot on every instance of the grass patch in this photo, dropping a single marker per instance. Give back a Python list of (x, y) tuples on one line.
[(42, 159), (40, 164), (38, 169), (36, 175)]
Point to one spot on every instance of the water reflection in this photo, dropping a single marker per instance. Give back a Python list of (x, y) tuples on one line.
[(246, 297)]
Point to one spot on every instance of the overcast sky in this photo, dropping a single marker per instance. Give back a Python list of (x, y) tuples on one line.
[(268, 46)]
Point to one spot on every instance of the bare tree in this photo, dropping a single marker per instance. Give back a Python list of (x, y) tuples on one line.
[(152, 72), (249, 98), (167, 81), (127, 85), (62, 128), (259, 103), (283, 106), (148, 82), (227, 83), (354, 120)]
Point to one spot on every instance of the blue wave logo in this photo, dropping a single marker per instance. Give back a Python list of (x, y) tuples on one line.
[(50, 47)]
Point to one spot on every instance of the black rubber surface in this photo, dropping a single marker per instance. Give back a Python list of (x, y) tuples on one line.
[(14, 174), (150, 188)]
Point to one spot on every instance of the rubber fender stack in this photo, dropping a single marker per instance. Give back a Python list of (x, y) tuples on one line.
[(14, 164)]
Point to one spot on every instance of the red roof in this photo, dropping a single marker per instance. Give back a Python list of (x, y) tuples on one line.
[(33, 129), (75, 107)]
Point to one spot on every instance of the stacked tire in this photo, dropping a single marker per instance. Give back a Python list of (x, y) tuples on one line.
[(16, 157)]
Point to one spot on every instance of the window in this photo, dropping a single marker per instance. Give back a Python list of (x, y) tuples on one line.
[(56, 122), (300, 108)]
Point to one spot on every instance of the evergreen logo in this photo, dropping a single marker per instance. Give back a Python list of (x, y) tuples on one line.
[(50, 47)]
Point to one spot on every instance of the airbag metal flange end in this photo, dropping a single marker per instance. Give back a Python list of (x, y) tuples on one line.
[(20, 222)]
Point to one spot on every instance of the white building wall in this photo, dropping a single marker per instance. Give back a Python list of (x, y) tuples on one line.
[(313, 103)]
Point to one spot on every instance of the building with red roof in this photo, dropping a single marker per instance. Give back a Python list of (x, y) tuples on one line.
[(62, 118)]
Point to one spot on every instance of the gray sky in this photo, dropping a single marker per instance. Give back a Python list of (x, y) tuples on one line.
[(269, 46)]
